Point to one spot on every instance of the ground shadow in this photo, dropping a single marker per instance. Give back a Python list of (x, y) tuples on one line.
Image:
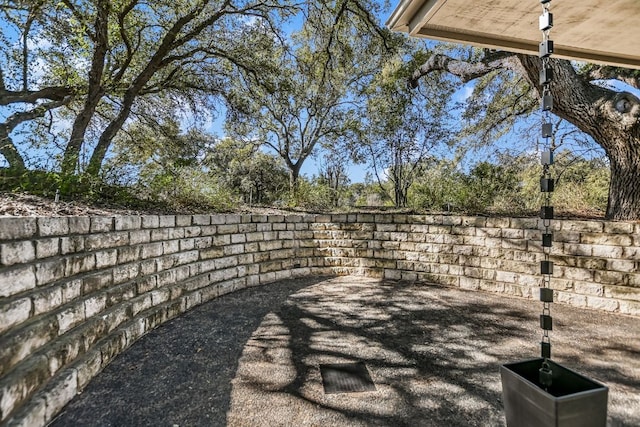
[(434, 353), (181, 372)]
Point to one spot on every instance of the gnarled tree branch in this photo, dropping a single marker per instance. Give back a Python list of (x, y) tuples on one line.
[(466, 71)]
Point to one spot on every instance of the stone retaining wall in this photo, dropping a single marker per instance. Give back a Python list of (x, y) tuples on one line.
[(77, 291)]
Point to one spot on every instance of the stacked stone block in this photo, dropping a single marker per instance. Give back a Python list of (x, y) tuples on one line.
[(75, 292)]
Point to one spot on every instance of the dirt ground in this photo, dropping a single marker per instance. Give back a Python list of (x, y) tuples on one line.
[(252, 358)]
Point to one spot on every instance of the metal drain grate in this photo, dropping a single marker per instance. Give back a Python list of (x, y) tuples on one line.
[(346, 378)]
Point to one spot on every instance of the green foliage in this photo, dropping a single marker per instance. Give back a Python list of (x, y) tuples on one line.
[(512, 187), (252, 175)]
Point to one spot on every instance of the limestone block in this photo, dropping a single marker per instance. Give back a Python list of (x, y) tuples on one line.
[(245, 259), (175, 308), (465, 249), (47, 300), (127, 254), (238, 238), (491, 286), (267, 277), (602, 251), (79, 264), (623, 265), (630, 307), (88, 367), (153, 318), (428, 219), (574, 273), (141, 303), (16, 279), (582, 226), (591, 263), (63, 351), (609, 277), (49, 271), (192, 300), (95, 305), (20, 252), (622, 293), (233, 249), (159, 234), (255, 237), (270, 245), (107, 258), (187, 244), (469, 283), (602, 303), (101, 224), (158, 296), (22, 383), (618, 227), (279, 226), (451, 220), (119, 294), (106, 240), (150, 221), (183, 220), (147, 267), (113, 345), (211, 253), (71, 290), (248, 228), (13, 312), (201, 220), (166, 262), (570, 298), (167, 278), (72, 244), (202, 242), (111, 320), (264, 227), (70, 317), (79, 225), (606, 239), (126, 272), (32, 414), (195, 283), (167, 221), (151, 250), (129, 222), (139, 236), (60, 392), (17, 228), (46, 248)]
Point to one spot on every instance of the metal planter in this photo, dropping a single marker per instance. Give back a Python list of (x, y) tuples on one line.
[(573, 400)]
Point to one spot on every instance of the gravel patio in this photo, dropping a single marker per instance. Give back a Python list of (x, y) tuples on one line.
[(251, 358)]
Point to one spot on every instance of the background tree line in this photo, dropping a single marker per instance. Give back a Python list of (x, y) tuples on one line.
[(117, 97)]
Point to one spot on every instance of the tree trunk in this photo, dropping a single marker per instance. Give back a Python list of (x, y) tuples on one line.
[(99, 153), (611, 118), (94, 94), (294, 175), (10, 151), (624, 187)]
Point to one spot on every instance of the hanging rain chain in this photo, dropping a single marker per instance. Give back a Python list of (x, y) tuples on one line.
[(546, 187)]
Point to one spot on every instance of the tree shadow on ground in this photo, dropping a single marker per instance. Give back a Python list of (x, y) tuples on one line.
[(433, 352), (180, 373)]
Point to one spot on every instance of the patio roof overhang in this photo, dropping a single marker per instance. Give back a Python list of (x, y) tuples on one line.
[(599, 31)]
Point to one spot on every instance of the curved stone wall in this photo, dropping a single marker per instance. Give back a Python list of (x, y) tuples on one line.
[(77, 291)]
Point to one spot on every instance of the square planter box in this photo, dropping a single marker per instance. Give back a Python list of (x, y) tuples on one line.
[(572, 400)]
